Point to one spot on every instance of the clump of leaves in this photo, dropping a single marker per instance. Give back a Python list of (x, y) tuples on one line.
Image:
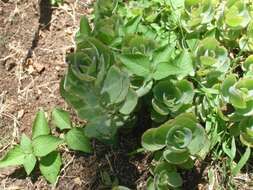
[(179, 57), (171, 97), (178, 142), (43, 147)]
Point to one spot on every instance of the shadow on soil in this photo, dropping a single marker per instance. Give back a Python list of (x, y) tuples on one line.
[(44, 23)]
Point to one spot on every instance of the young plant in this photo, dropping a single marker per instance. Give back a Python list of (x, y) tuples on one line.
[(43, 147)]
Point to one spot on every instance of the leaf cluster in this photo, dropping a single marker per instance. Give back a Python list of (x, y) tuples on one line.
[(42, 148), (189, 62)]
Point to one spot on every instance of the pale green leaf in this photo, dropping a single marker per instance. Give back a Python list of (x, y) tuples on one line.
[(50, 166), (14, 157), (26, 144), (40, 125), (61, 119), (116, 85), (29, 163), (130, 102), (45, 144)]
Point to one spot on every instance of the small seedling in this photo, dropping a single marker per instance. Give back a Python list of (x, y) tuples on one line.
[(43, 147)]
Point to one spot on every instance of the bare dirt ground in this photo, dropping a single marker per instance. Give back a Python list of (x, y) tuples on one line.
[(34, 39)]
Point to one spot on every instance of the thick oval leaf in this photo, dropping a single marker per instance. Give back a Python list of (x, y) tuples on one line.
[(116, 85), (61, 119), (45, 144), (166, 179), (228, 82), (199, 140), (130, 102), (77, 140), (237, 98), (176, 157), (150, 184), (136, 63), (14, 157), (40, 125), (149, 140), (50, 166), (29, 163), (160, 107), (248, 64), (163, 54), (181, 66)]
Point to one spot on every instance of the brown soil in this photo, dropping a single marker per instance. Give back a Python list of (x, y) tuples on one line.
[(34, 39)]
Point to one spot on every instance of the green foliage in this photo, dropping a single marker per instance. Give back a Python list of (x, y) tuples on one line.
[(187, 61), (77, 140), (61, 119), (43, 148), (178, 141)]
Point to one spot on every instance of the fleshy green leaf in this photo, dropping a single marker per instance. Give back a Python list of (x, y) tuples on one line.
[(45, 144), (40, 125), (136, 63), (181, 67), (175, 157), (50, 166), (228, 82), (150, 140), (166, 178), (116, 79), (61, 119), (14, 157), (130, 102), (237, 98), (77, 140)]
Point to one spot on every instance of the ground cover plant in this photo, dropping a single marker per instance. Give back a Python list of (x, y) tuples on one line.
[(187, 62)]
